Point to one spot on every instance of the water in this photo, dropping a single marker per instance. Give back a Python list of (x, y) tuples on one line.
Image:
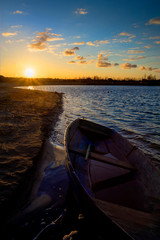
[(133, 111)]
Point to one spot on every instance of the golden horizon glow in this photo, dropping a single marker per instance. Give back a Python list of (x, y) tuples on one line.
[(29, 72)]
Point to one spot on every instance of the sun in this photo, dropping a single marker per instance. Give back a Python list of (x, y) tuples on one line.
[(29, 72)]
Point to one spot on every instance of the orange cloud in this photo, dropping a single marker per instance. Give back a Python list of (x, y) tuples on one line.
[(82, 62), (70, 52), (78, 43), (147, 47), (41, 39), (153, 21), (80, 58), (142, 68), (90, 43), (136, 51), (103, 64), (81, 11), (71, 62), (17, 12), (155, 37), (100, 57), (101, 41), (9, 34), (133, 59), (128, 66)]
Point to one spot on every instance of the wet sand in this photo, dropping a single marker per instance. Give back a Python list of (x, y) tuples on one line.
[(26, 120)]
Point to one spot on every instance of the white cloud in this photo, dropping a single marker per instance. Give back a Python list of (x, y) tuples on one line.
[(16, 26), (153, 21), (81, 11)]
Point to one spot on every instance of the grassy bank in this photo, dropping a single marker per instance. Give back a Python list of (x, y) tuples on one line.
[(26, 120)]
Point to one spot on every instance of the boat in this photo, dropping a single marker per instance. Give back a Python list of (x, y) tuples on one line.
[(117, 185)]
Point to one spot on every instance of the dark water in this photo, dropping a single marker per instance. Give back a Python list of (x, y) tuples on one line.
[(133, 111)]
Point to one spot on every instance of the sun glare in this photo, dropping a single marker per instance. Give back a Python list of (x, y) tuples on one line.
[(29, 72)]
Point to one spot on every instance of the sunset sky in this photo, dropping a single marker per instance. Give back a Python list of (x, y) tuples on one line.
[(68, 39)]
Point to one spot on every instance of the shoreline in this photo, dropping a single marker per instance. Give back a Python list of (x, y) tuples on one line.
[(26, 120), (79, 81)]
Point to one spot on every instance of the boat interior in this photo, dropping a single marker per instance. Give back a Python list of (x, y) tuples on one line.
[(104, 164), (100, 157)]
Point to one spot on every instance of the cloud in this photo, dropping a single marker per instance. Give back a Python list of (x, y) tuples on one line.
[(41, 39), (155, 37), (142, 68), (91, 61), (54, 39), (70, 52), (16, 26), (136, 51), (81, 11), (78, 43), (71, 62), (153, 21), (17, 12), (125, 34), (101, 41), (75, 48), (100, 57), (128, 38), (80, 58), (128, 66), (147, 47), (82, 62), (133, 59), (9, 34), (157, 42), (103, 64), (90, 43)]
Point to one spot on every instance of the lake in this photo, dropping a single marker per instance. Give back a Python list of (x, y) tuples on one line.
[(133, 111)]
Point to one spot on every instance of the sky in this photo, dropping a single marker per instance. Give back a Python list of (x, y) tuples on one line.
[(71, 39)]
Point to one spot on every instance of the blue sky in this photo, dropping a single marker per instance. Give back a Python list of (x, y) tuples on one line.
[(107, 38)]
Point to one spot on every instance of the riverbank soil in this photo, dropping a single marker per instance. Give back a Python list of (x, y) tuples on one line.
[(27, 118)]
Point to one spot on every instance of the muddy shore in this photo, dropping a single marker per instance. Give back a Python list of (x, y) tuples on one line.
[(26, 120)]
